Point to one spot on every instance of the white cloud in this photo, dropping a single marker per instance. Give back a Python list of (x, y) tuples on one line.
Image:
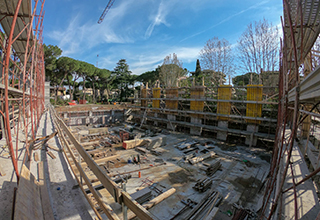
[(78, 37), (149, 59), (160, 18)]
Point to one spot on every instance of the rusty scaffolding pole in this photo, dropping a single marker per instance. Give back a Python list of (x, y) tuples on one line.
[(299, 85), (22, 72)]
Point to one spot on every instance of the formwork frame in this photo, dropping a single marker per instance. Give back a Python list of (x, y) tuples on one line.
[(22, 72), (237, 103), (300, 28)]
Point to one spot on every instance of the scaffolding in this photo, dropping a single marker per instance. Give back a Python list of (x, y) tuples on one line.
[(289, 190), (22, 72)]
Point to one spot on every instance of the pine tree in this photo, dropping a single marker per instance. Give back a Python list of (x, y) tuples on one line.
[(197, 73)]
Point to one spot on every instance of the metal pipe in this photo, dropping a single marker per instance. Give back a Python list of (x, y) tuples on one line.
[(6, 92)]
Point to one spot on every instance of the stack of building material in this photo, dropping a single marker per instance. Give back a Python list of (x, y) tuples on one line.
[(213, 168), (193, 148), (142, 196), (205, 207), (201, 158), (203, 184), (187, 145)]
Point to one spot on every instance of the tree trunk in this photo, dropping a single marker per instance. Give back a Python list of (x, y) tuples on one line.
[(93, 93), (84, 88)]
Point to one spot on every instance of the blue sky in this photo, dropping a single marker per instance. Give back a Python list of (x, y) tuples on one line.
[(145, 31)]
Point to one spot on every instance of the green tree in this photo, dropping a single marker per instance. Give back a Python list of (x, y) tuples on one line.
[(197, 73), (66, 66), (123, 75), (213, 78), (51, 53), (245, 79), (149, 77), (105, 82), (85, 71)]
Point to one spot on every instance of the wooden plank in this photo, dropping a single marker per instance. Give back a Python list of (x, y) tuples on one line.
[(2, 173), (53, 148), (98, 130), (153, 202), (36, 156), (119, 195), (212, 214), (48, 137), (51, 155), (74, 170), (28, 202), (312, 153), (44, 195), (135, 207), (112, 187), (105, 207), (306, 192)]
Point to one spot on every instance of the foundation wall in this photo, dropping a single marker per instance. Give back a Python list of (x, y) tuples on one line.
[(78, 118), (223, 112)]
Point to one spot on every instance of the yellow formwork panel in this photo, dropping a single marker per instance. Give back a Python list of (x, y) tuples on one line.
[(144, 95), (172, 93), (156, 94), (254, 93), (224, 93), (197, 93)]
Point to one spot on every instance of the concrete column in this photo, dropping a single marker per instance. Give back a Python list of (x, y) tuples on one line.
[(196, 92), (172, 93), (171, 118), (156, 93), (223, 108), (254, 93), (222, 135), (195, 130), (46, 93), (251, 140), (112, 116), (156, 116)]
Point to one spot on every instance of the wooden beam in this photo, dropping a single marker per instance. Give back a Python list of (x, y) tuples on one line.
[(135, 207), (154, 201), (105, 207), (45, 201), (28, 203), (106, 181)]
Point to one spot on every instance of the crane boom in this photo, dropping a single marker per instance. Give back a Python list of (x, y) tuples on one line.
[(110, 3)]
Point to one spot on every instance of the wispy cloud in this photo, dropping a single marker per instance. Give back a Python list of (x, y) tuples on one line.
[(149, 59), (160, 18), (226, 19), (78, 37)]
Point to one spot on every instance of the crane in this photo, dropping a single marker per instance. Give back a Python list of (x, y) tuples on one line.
[(110, 3)]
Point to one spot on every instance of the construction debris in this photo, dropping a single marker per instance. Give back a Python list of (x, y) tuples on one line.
[(209, 201), (201, 158), (187, 145), (203, 184), (142, 196), (2, 173), (45, 138), (36, 156), (213, 168), (51, 155), (188, 204)]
